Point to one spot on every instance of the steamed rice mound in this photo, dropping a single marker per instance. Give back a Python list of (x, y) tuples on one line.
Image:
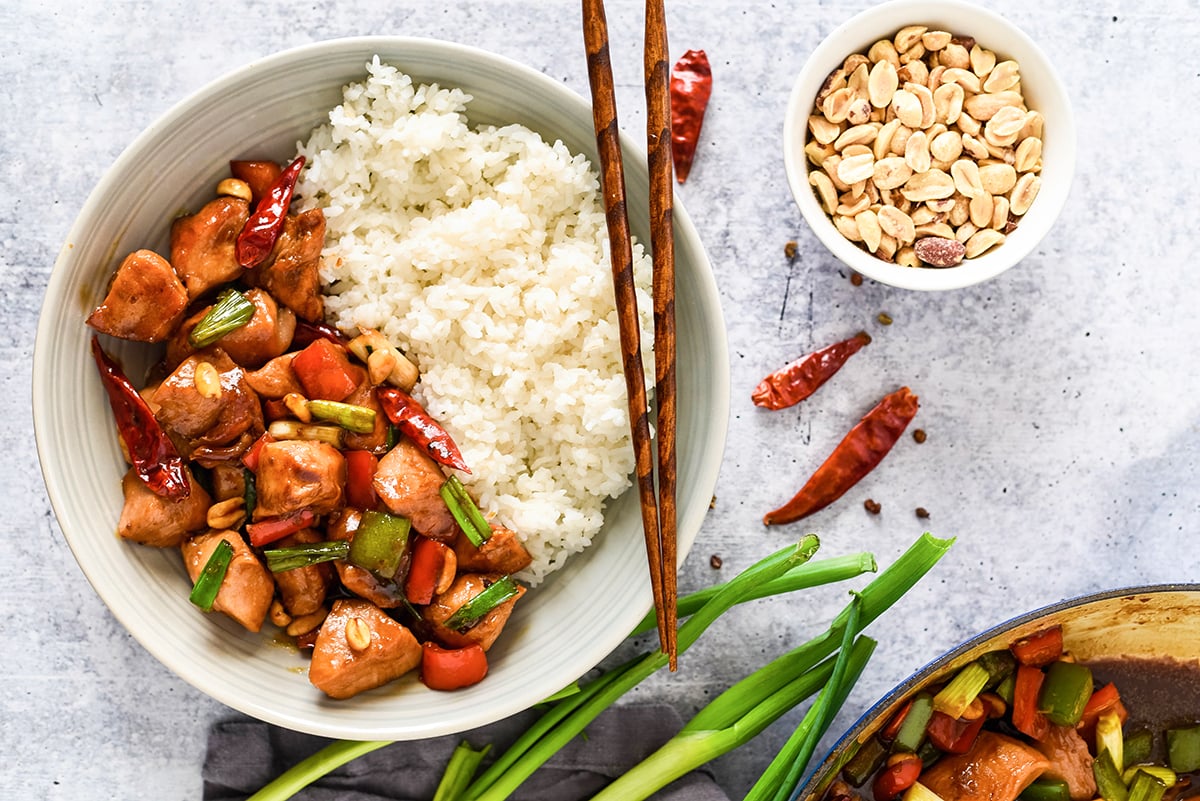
[(482, 253)]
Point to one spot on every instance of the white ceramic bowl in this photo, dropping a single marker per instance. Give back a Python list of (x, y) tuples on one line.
[(566, 625), (1043, 91), (1153, 622)]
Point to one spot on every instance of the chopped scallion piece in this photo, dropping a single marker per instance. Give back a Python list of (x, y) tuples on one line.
[(381, 543), (249, 493), (1108, 778), (474, 610), (465, 512), (865, 762), (208, 583), (231, 311), (1138, 745), (912, 730), (358, 419), (292, 429), (955, 697), (1045, 789), (1160, 772), (294, 556), (999, 665), (919, 792), (1110, 740), (1146, 787)]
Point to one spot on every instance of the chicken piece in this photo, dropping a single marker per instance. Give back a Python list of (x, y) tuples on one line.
[(275, 378), (247, 590), (997, 768), (303, 589), (376, 441), (345, 663), (299, 474), (465, 587), (153, 520), (502, 552), (1070, 760), (290, 273), (267, 334), (145, 301), (358, 580), (407, 481), (203, 244), (208, 418)]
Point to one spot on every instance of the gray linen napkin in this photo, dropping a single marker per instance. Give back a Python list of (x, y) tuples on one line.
[(244, 754)]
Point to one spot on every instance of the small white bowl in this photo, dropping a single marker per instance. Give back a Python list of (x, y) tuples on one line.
[(1043, 91), (567, 624)]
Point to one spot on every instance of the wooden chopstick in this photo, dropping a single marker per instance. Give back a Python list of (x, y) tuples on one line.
[(662, 240), (604, 118)]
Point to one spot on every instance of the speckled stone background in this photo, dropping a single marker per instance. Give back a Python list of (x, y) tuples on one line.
[(1060, 399)]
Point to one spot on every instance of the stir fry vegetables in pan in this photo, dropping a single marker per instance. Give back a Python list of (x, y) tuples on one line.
[(303, 485), (1028, 722)]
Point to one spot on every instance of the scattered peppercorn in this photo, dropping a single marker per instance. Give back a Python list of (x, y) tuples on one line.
[(872, 506), (885, 318), (789, 250), (715, 562), (856, 279), (919, 435), (922, 513)]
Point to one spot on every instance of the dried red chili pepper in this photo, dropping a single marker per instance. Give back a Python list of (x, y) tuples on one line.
[(155, 460), (855, 456), (691, 86), (258, 235), (794, 382), (416, 424), (306, 333)]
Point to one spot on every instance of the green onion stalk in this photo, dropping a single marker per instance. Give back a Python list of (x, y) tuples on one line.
[(231, 311), (732, 719)]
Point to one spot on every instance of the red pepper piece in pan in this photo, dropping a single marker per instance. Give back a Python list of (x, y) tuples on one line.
[(265, 532), (794, 382), (416, 424), (855, 456), (155, 459), (258, 236), (691, 86)]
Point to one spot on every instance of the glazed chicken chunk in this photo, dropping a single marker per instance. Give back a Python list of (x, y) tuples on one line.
[(299, 474), (360, 648), (145, 300)]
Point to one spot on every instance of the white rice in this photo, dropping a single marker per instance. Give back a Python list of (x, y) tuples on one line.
[(482, 253)]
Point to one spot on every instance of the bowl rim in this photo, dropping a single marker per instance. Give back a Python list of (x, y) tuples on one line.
[(818, 775), (596, 647), (1050, 201)]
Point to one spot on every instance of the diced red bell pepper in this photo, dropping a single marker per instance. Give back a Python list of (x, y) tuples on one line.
[(250, 458), (450, 669), (1039, 649), (1025, 715), (324, 371), (259, 175), (1105, 699), (901, 772), (360, 475), (893, 727), (265, 532), (953, 735), (275, 409), (428, 558)]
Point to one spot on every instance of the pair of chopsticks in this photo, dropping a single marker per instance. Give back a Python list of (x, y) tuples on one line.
[(658, 511)]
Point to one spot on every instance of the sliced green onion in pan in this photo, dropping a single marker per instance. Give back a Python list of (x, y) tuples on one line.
[(465, 512), (358, 419), (231, 311), (294, 556), (208, 583), (249, 493), (474, 610)]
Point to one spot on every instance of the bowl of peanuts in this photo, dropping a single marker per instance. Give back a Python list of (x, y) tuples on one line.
[(929, 144)]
